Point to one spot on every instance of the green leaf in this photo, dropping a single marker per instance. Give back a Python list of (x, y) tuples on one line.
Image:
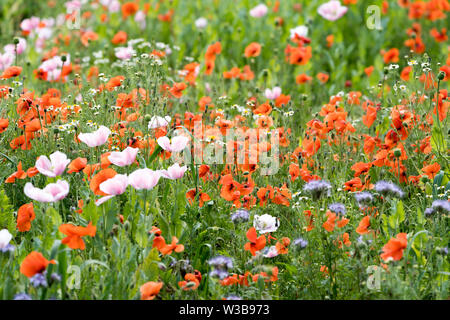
[(7, 220)]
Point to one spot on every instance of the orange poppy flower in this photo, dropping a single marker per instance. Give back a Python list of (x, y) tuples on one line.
[(431, 170), (371, 115), (120, 38), (323, 77), (31, 172), (282, 247), (150, 289), (391, 56), (88, 35), (160, 244), (77, 165), (192, 281), (34, 263), (394, 248), (129, 9), (25, 215), (11, 72), (191, 194), (345, 240), (74, 234), (363, 225), (177, 89), (253, 50), (255, 243), (302, 78), (368, 71), (19, 174), (4, 123)]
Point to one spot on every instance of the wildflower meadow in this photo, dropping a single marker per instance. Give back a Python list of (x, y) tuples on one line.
[(224, 150)]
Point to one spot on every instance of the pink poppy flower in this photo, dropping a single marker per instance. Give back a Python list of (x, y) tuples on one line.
[(124, 158), (53, 167), (178, 143), (259, 11), (21, 46), (6, 60), (144, 179), (96, 138), (332, 10), (174, 172), (113, 187), (273, 94), (51, 193), (125, 53), (158, 122)]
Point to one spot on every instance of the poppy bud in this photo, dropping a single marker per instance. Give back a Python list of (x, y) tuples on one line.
[(397, 152), (441, 76), (55, 130), (265, 73), (147, 117), (63, 58), (16, 40)]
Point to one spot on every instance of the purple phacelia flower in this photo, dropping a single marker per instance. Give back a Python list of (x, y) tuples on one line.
[(387, 188), (300, 243), (363, 199), (338, 208), (39, 280), (240, 215), (317, 188), (22, 296)]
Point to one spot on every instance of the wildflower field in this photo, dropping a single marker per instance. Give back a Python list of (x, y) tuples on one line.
[(213, 149)]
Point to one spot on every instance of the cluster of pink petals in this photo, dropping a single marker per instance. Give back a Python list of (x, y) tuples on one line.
[(144, 179), (113, 187), (259, 11), (273, 94), (53, 67), (96, 138), (332, 10), (51, 193), (125, 53), (53, 167), (158, 122), (174, 172), (178, 143), (21, 46), (6, 60), (123, 158), (112, 5)]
